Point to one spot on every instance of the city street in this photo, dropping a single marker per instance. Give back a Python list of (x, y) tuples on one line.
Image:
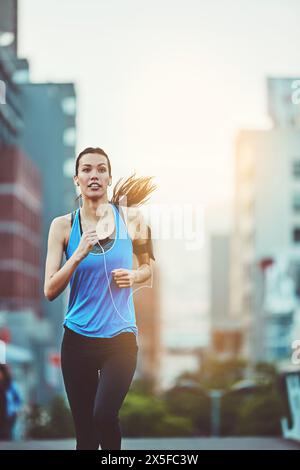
[(150, 230), (195, 443)]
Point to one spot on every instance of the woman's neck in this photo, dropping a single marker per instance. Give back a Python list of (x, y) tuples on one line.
[(90, 209)]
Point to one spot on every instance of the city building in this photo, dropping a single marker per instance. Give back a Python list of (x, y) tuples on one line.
[(266, 234), (37, 158), (226, 338), (21, 315)]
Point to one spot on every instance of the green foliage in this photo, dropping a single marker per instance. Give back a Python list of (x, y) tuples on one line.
[(230, 406), (143, 386), (190, 402), (260, 414), (222, 375), (266, 373), (51, 422), (143, 415), (185, 409), (174, 426), (257, 412)]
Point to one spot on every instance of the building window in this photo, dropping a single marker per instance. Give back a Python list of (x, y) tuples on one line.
[(69, 137), (296, 235), (295, 272), (21, 76), (296, 202), (296, 168), (2, 92), (68, 105), (69, 167)]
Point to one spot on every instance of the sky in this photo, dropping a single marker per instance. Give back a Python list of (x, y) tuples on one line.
[(164, 85)]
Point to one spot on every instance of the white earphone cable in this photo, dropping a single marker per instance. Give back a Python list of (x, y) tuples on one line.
[(133, 290)]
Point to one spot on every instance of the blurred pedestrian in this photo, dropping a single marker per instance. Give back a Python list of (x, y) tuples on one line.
[(10, 403), (2, 405)]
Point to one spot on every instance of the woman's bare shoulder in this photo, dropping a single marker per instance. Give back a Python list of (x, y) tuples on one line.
[(62, 224), (62, 220)]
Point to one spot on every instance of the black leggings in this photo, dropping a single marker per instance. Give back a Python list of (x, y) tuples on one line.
[(95, 399)]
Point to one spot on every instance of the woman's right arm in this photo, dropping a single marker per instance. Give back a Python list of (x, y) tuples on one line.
[(56, 277)]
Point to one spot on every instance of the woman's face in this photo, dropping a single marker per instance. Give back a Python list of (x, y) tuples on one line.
[(93, 175)]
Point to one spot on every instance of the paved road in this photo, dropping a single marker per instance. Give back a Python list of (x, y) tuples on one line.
[(195, 443)]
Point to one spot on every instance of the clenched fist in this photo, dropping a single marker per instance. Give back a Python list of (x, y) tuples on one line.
[(124, 277), (88, 239)]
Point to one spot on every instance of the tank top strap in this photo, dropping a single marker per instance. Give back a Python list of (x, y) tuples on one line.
[(74, 214), (72, 217), (119, 209)]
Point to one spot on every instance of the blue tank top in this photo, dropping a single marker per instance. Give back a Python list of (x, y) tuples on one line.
[(91, 311)]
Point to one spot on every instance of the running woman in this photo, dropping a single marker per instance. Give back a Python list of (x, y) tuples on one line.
[(99, 347)]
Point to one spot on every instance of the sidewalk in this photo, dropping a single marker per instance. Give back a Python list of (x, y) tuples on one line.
[(194, 443)]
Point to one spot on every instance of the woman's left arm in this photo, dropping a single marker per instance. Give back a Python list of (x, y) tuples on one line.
[(141, 246), (143, 272)]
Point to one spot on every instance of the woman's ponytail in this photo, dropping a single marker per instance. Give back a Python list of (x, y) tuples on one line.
[(136, 191)]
